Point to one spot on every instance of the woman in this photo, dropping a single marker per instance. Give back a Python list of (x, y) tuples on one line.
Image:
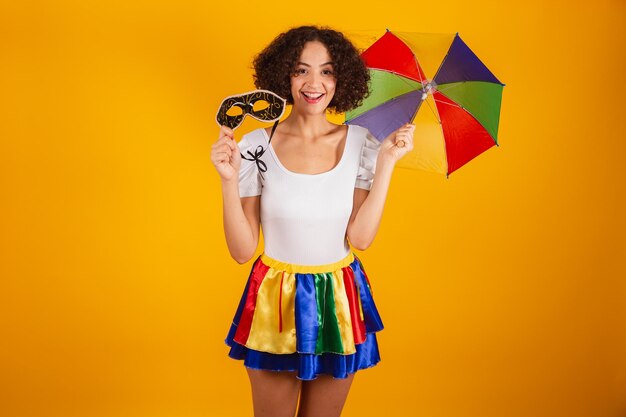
[(307, 320)]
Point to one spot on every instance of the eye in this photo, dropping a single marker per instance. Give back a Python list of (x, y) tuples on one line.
[(328, 72), (299, 71), (260, 105), (234, 111)]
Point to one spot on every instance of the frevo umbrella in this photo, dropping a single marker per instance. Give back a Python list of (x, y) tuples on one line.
[(436, 82)]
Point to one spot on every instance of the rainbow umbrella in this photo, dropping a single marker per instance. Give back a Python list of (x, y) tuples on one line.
[(439, 84)]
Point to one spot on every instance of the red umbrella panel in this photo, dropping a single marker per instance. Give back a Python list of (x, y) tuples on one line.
[(439, 84)]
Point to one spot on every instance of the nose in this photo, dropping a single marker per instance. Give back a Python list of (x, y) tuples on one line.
[(314, 79)]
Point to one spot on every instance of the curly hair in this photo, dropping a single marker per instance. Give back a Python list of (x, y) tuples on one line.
[(275, 65)]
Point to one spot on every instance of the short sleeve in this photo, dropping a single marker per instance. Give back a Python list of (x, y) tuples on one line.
[(249, 177), (367, 164)]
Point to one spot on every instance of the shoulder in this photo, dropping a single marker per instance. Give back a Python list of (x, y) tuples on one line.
[(250, 182), (358, 131), (364, 137), (252, 139), (362, 134)]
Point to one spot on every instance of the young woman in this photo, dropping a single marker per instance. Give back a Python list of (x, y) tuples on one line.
[(307, 320)]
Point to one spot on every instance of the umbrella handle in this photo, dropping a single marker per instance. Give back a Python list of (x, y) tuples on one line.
[(401, 143)]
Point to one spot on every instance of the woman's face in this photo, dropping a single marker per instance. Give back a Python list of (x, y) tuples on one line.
[(313, 82)]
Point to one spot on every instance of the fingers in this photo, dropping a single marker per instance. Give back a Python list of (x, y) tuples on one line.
[(226, 131), (223, 150), (404, 136), (219, 157), (226, 137), (224, 145)]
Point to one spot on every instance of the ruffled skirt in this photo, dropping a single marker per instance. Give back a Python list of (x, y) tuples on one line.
[(313, 320)]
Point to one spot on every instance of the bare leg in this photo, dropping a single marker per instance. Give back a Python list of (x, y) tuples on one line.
[(274, 394), (324, 396)]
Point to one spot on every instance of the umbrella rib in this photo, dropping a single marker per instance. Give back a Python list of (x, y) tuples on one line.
[(443, 136), (436, 114), (403, 79), (455, 104), (449, 104), (433, 111), (404, 76), (448, 86)]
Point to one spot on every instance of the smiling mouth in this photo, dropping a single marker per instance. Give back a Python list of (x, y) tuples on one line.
[(312, 97)]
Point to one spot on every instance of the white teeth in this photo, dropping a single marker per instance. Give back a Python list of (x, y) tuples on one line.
[(313, 96)]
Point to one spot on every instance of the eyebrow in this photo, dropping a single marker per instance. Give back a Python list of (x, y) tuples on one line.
[(307, 65)]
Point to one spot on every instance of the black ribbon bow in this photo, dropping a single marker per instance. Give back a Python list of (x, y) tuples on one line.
[(258, 152)]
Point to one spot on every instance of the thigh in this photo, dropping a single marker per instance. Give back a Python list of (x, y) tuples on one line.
[(324, 396), (274, 394)]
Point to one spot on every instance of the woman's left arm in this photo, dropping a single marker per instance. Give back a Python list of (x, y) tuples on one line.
[(367, 209)]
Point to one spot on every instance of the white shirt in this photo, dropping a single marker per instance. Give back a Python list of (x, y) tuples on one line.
[(304, 217)]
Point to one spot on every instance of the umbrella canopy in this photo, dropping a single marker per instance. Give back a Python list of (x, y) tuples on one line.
[(436, 82)]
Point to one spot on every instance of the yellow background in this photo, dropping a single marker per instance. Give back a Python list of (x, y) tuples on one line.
[(502, 288)]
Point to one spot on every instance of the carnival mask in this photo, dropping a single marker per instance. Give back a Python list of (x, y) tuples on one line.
[(262, 105)]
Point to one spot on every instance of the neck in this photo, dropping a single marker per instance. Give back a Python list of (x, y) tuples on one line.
[(307, 126)]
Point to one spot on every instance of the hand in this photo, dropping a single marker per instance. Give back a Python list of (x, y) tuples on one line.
[(398, 143), (225, 154)]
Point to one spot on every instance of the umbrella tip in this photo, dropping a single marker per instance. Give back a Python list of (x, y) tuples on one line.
[(387, 29)]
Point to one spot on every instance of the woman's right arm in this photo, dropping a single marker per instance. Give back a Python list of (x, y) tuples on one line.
[(241, 215)]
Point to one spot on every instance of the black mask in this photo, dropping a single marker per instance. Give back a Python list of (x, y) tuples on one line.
[(263, 105)]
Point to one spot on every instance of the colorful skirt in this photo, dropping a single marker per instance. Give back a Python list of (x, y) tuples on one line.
[(310, 319)]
